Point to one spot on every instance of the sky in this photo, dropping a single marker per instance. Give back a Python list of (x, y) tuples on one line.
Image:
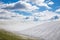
[(24, 14), (30, 10)]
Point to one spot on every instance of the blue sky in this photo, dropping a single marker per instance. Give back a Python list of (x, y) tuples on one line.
[(55, 6), (28, 13), (9, 1), (32, 8)]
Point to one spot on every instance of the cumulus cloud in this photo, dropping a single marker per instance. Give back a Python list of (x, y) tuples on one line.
[(46, 15), (38, 16), (20, 5), (43, 16), (58, 10), (26, 6), (8, 15), (51, 3), (39, 3), (14, 6)]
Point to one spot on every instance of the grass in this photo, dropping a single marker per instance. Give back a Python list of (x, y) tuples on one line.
[(5, 35)]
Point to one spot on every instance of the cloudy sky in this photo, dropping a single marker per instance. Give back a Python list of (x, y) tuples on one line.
[(30, 10)]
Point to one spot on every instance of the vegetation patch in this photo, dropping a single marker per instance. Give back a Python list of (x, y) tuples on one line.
[(5, 35)]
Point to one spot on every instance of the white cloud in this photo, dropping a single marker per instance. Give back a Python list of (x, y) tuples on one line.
[(46, 15), (20, 5), (39, 3), (24, 5), (51, 3), (28, 6), (8, 15), (12, 6), (58, 10)]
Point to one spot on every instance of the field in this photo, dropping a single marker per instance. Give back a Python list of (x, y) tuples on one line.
[(5, 35)]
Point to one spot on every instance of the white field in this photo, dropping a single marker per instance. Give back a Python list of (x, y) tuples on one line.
[(47, 31)]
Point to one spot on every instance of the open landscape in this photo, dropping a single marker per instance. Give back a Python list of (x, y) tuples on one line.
[(29, 19), (6, 35), (46, 31)]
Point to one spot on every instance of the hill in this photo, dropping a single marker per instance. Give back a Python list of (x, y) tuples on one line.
[(47, 31), (5, 35)]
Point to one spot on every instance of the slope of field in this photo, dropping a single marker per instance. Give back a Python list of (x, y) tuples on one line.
[(5, 35), (47, 31)]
